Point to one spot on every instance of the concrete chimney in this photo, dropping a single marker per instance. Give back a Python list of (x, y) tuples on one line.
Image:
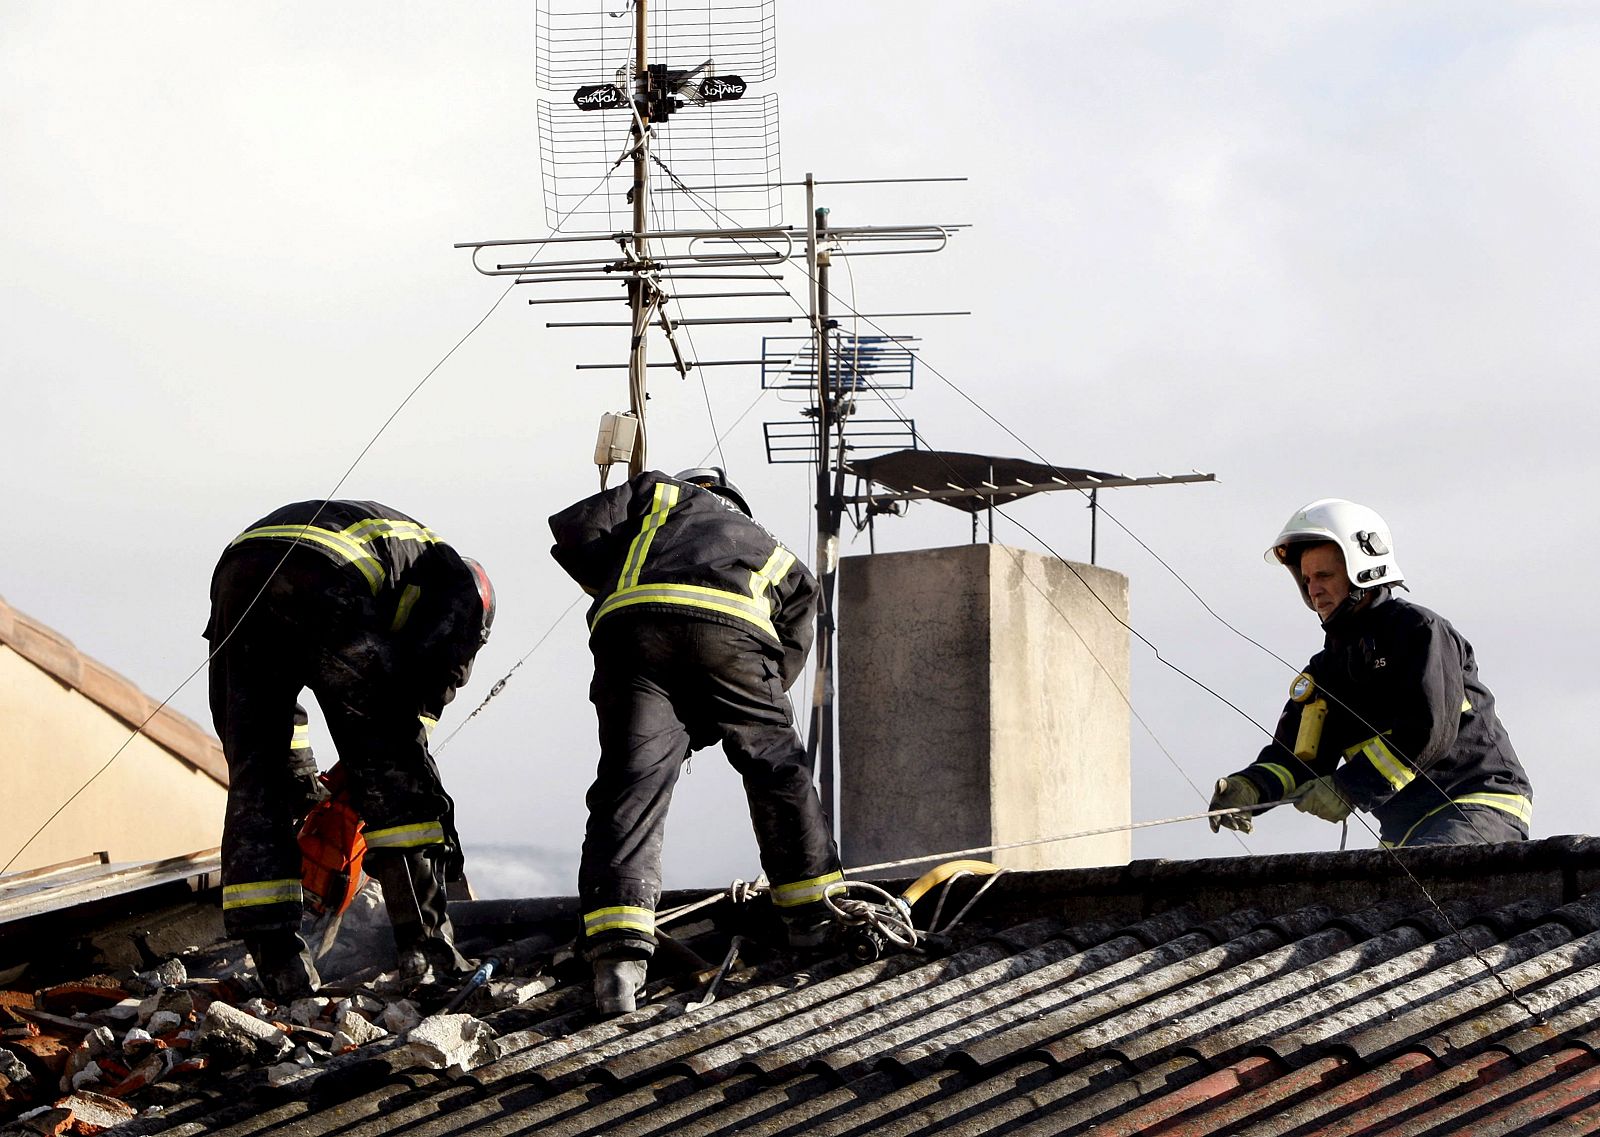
[(982, 700)]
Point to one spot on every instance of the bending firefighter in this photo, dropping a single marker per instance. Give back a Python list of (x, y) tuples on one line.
[(701, 621), (1390, 716), (381, 619)]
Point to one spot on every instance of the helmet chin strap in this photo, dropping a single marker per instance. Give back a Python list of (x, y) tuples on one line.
[(1357, 598)]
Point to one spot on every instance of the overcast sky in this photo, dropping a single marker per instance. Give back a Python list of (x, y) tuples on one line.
[(1321, 249)]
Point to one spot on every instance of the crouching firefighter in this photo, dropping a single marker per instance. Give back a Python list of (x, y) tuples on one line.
[(381, 619), (701, 621), (1390, 717)]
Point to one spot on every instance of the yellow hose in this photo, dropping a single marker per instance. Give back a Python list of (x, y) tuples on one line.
[(941, 873)]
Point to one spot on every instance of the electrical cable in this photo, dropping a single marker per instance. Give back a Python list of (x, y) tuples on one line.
[(506, 678)]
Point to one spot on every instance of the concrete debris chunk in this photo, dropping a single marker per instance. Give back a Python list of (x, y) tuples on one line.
[(162, 1022), (451, 1042), (13, 1067), (174, 1000), (304, 1012), (261, 1009), (100, 1041), (231, 1035), (172, 973), (356, 1031), (286, 1072), (514, 990), (92, 1112), (400, 1016), (126, 1011), (90, 1075)]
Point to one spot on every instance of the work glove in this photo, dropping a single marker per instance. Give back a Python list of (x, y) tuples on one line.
[(1232, 793), (306, 791), (1323, 799)]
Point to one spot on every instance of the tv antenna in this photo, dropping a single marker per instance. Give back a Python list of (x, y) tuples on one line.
[(661, 87)]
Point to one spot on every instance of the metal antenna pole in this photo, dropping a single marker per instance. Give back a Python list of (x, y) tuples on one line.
[(639, 297), (1094, 523), (820, 741)]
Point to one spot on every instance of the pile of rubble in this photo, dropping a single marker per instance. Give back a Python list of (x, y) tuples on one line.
[(81, 1057)]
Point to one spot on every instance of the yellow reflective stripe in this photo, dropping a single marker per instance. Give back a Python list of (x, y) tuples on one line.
[(1466, 706), (406, 836), (337, 543), (804, 891), (300, 738), (1377, 751), (624, 917), (428, 723), (1516, 805), (374, 528), (771, 573), (348, 544), (262, 892), (402, 611), (666, 496), (757, 612), (1279, 772)]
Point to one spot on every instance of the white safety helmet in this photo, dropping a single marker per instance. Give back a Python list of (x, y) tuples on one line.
[(1362, 536)]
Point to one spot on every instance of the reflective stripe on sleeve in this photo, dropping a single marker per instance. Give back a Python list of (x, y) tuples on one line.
[(256, 892), (300, 738), (428, 724), (776, 568), (406, 836), (1377, 751), (757, 612), (804, 891), (624, 917), (402, 611), (1279, 772)]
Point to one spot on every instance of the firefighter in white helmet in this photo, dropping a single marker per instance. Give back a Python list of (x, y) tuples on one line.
[(1390, 716)]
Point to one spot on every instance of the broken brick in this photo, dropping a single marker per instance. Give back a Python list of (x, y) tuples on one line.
[(48, 1121), (153, 1069), (89, 995), (43, 1053), (10, 1003), (92, 1112)]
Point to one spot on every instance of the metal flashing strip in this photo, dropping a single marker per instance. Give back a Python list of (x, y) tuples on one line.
[(42, 891)]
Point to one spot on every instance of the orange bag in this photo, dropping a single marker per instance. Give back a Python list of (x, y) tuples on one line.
[(331, 849)]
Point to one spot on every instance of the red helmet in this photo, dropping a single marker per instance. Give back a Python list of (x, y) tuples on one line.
[(485, 593)]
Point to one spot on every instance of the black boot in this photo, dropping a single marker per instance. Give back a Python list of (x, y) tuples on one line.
[(414, 895), (284, 965)]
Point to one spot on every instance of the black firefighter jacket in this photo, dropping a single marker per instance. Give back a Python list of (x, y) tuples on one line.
[(1414, 726), (654, 544), (413, 589)]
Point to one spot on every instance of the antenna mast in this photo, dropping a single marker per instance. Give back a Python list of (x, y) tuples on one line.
[(640, 298)]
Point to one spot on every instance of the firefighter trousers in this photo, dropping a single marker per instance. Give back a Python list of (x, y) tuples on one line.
[(280, 624), (665, 686)]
